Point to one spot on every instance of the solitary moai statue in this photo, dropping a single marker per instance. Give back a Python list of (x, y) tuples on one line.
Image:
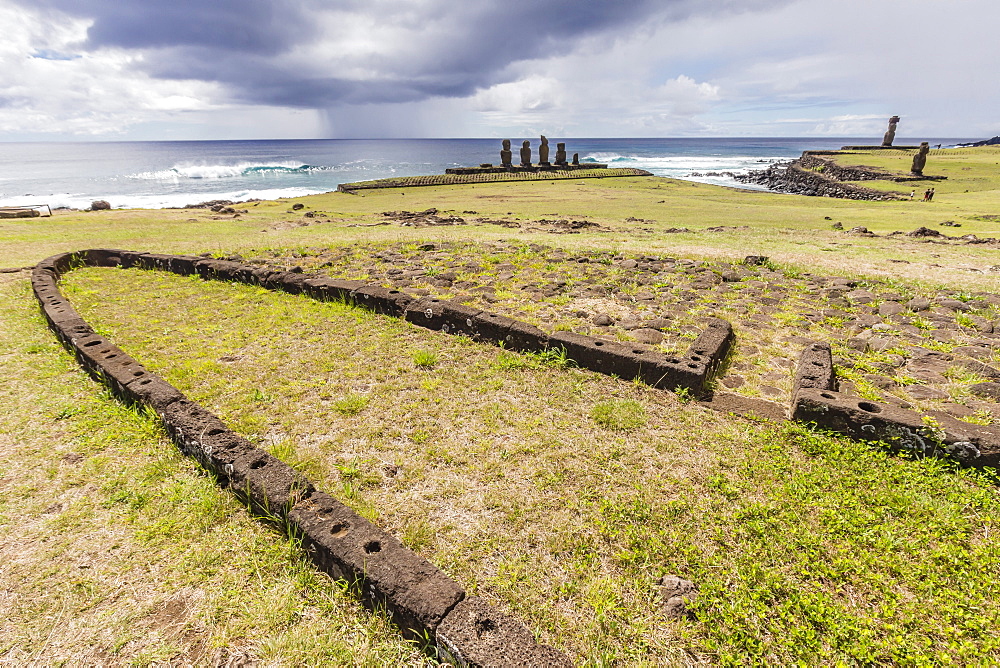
[(505, 154), (561, 154), (576, 158), (920, 159), (543, 153), (526, 154), (890, 134)]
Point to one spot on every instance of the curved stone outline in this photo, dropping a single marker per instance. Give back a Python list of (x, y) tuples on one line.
[(424, 603)]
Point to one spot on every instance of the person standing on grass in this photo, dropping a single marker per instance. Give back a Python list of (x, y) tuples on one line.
[(930, 195)]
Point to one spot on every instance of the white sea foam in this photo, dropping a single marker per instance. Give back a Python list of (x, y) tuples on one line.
[(155, 201), (192, 171), (700, 168)]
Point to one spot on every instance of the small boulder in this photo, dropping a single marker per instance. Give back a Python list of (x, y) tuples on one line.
[(988, 390), (602, 320), (100, 205), (675, 594), (954, 304), (647, 335), (889, 308)]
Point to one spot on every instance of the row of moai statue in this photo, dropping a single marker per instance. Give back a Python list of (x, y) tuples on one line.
[(506, 157)]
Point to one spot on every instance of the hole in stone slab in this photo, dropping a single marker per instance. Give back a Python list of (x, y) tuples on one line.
[(93, 343), (393, 292), (695, 358), (340, 529), (692, 366), (373, 546), (817, 363), (827, 395), (139, 372), (146, 381), (215, 432), (638, 352), (259, 464), (598, 343), (869, 407), (484, 626), (111, 357)]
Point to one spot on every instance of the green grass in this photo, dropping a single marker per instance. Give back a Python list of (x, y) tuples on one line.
[(792, 536), (514, 473), (426, 359), (619, 414)]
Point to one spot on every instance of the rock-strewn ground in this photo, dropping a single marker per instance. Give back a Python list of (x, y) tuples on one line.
[(892, 342)]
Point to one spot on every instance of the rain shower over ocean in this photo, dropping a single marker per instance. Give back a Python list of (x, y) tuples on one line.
[(178, 173)]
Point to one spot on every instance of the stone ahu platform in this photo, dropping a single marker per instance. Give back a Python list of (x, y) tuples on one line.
[(467, 175), (879, 147), (534, 169)]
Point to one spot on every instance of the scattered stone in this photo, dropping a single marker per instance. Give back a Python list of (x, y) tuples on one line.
[(924, 232), (953, 304), (734, 381), (676, 593), (887, 308), (980, 368), (918, 304), (100, 205), (658, 323), (922, 393), (987, 390), (602, 320), (647, 335), (860, 297), (975, 352)]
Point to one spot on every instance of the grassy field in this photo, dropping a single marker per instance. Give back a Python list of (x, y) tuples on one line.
[(559, 495)]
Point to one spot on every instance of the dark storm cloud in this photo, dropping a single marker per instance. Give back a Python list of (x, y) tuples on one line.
[(258, 26), (408, 51)]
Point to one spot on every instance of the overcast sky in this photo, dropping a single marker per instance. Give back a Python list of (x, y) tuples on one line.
[(259, 69)]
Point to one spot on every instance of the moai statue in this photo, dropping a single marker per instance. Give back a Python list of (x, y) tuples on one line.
[(890, 134), (526, 154), (920, 159), (505, 154), (543, 153), (576, 158), (561, 154)]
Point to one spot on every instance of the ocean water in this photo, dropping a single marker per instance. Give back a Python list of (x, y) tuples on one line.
[(178, 173)]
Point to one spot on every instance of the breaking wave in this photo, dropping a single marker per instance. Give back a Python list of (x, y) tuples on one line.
[(242, 169), (676, 165)]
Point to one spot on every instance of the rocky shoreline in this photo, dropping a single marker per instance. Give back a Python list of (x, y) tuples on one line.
[(815, 177)]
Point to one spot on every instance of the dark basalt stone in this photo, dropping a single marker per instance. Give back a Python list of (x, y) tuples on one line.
[(474, 634)]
